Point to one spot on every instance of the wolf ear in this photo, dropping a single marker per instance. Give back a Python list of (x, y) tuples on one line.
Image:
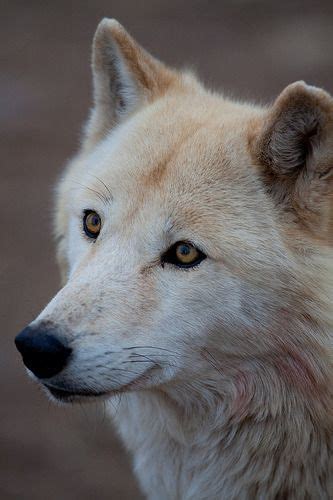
[(294, 147), (125, 77)]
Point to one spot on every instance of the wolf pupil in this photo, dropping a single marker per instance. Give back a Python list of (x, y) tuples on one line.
[(185, 250)]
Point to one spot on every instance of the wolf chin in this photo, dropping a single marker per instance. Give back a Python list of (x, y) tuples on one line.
[(195, 245)]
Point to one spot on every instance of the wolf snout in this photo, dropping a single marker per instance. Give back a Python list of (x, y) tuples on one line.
[(42, 351)]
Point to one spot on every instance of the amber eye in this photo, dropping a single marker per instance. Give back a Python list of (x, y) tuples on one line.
[(183, 254), (91, 223)]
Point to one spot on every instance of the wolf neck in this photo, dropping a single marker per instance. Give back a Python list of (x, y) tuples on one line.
[(275, 442), (260, 429)]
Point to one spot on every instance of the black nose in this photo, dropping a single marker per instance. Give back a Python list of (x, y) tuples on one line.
[(42, 352)]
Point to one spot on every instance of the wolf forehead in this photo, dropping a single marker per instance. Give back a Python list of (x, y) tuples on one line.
[(192, 149)]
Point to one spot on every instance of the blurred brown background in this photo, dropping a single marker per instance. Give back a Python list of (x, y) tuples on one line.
[(249, 48)]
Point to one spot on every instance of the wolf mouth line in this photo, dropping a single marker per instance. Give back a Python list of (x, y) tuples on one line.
[(70, 394)]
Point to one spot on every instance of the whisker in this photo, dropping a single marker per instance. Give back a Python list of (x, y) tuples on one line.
[(160, 355), (103, 183), (101, 196), (157, 363), (213, 364), (125, 370), (167, 352), (149, 347), (147, 358), (119, 401), (103, 412), (116, 403)]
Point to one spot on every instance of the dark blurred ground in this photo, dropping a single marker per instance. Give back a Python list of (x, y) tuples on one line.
[(251, 49)]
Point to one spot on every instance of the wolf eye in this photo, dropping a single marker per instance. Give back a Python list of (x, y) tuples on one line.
[(91, 223), (183, 254)]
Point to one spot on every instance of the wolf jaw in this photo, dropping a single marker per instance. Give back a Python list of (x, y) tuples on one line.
[(243, 407)]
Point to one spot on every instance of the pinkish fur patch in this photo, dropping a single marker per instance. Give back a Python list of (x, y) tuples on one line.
[(300, 370)]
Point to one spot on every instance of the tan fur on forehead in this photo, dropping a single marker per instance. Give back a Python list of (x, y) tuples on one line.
[(191, 150)]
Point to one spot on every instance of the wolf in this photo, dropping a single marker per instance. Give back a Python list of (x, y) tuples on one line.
[(194, 238)]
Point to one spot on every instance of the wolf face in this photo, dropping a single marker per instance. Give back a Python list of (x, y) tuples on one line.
[(185, 225)]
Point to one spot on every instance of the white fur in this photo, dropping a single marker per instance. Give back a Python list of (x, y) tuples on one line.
[(224, 370)]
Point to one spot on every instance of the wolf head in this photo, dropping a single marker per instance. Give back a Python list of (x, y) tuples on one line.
[(187, 230)]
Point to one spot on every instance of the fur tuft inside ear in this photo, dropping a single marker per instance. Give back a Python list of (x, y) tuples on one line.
[(293, 146), (113, 83), (294, 127), (125, 77)]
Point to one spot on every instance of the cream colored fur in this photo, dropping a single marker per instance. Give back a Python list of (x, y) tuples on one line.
[(224, 370)]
